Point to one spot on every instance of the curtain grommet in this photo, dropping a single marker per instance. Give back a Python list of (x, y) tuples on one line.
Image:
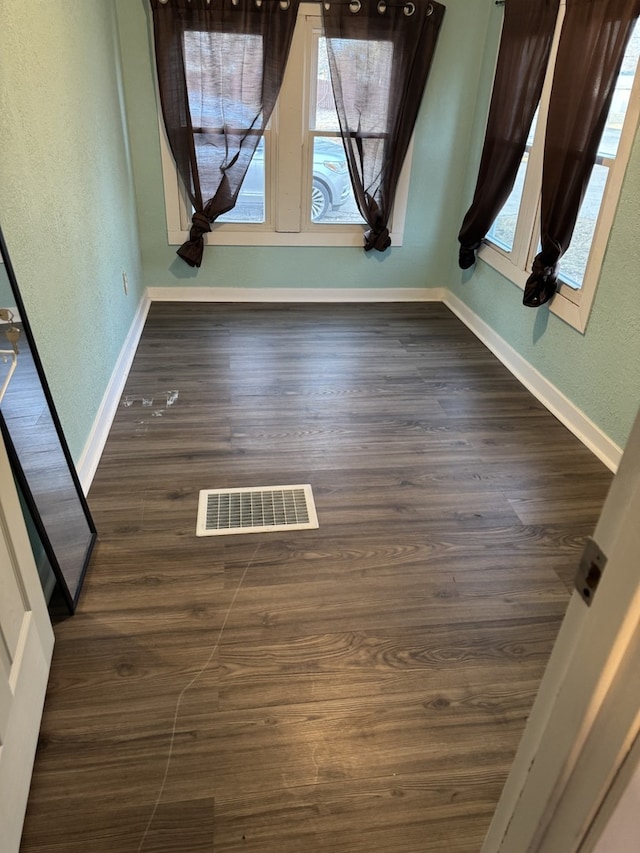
[(258, 4), (409, 9), (284, 4), (429, 10), (327, 6), (355, 6), (382, 7)]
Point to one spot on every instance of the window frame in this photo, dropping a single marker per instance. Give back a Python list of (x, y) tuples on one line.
[(286, 177), (569, 304)]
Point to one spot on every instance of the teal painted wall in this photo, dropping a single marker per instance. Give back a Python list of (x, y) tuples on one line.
[(599, 371), (442, 134), (67, 207)]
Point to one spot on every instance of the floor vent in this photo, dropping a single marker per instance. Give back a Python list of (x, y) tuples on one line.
[(266, 509)]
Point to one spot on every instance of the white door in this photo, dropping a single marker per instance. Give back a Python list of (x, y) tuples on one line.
[(26, 645), (586, 717)]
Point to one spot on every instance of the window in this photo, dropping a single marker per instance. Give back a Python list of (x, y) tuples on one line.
[(297, 190), (512, 239)]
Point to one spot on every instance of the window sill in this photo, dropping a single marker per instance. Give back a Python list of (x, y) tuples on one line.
[(567, 304)]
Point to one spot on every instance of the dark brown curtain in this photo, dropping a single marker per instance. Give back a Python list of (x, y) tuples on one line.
[(525, 44), (592, 45), (379, 55), (220, 66)]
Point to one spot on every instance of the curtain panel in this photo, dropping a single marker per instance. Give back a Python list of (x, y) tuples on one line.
[(594, 37), (592, 43), (527, 35), (220, 67), (380, 55)]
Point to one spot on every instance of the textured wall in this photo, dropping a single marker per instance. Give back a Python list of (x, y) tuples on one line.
[(436, 181), (67, 207), (599, 371)]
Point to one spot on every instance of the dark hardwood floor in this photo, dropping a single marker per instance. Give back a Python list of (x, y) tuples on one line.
[(358, 687)]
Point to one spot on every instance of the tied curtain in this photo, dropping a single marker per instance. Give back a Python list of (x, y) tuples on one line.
[(592, 43), (220, 66), (380, 54), (527, 35)]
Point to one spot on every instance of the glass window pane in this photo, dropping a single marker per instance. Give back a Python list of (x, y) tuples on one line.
[(219, 100), (332, 198), (532, 129), (356, 57), (223, 107), (324, 115), (250, 205), (574, 262), (620, 103), (503, 230)]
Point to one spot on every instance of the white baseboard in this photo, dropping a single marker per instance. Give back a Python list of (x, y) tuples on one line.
[(551, 397), (295, 294), (94, 446)]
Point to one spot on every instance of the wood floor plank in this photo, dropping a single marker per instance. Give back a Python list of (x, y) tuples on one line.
[(356, 817), (359, 686)]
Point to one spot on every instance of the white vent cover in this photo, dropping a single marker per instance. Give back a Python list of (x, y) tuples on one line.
[(264, 509)]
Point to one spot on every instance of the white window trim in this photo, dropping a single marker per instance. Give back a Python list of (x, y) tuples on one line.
[(571, 305), (264, 234)]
